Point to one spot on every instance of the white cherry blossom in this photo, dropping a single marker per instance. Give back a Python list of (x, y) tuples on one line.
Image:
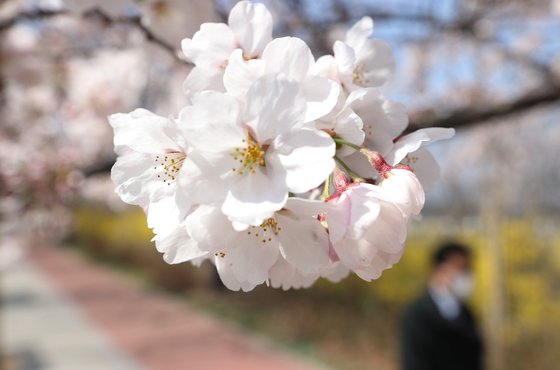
[(151, 151), (409, 150), (368, 225), (249, 157), (245, 258), (249, 29), (363, 62), (343, 122), (383, 122), (291, 57), (177, 246), (228, 180)]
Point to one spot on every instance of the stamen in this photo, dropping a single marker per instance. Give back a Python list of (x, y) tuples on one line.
[(359, 74), (171, 164), (409, 160), (267, 230), (249, 157)]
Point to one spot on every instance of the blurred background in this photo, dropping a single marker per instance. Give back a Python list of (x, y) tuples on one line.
[(489, 68)]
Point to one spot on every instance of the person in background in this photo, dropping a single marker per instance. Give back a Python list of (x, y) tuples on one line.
[(438, 331)]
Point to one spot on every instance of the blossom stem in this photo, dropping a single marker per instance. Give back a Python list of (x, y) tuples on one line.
[(355, 177), (341, 141), (327, 188)]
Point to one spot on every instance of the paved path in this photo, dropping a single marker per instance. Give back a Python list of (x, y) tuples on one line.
[(41, 330), (145, 330)]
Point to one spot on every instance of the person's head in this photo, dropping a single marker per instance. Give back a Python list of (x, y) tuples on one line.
[(451, 268)]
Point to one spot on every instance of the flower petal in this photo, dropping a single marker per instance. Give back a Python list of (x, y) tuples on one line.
[(209, 228), (359, 33), (290, 56), (255, 197), (413, 141), (307, 157), (177, 246), (144, 132), (375, 59), (213, 115), (321, 96), (241, 74), (252, 26), (424, 166), (275, 105), (137, 181), (285, 276), (403, 189), (211, 46), (303, 242), (203, 78)]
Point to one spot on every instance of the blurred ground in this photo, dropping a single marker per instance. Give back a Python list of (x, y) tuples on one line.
[(42, 329), (62, 312)]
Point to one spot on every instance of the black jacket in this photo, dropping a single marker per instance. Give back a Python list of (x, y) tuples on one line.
[(431, 342)]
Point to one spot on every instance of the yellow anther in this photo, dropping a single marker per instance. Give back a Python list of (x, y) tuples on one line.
[(250, 156)]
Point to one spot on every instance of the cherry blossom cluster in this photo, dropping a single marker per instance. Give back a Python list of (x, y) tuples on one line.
[(282, 168)]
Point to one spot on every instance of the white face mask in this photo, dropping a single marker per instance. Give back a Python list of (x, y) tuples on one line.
[(462, 285)]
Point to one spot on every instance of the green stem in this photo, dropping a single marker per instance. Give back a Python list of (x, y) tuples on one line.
[(327, 188), (355, 177), (341, 141)]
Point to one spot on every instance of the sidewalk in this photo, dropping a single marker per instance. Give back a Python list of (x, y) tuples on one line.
[(103, 322), (41, 330)]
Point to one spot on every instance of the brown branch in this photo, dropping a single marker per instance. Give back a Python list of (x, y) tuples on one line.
[(28, 16), (470, 116), (134, 22)]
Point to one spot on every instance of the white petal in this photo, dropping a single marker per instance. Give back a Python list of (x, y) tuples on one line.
[(206, 177), (364, 210), (242, 258), (404, 190), (137, 181), (349, 126), (307, 207), (285, 276), (177, 246), (213, 122), (375, 57), (256, 196), (326, 67), (200, 79), (307, 157), (303, 242), (380, 116), (290, 56), (387, 233), (164, 215), (382, 261), (321, 95), (411, 142), (359, 33), (211, 46), (424, 166), (345, 58), (275, 105), (335, 272), (229, 279), (339, 218), (249, 259), (209, 228), (144, 132), (241, 74), (252, 26)]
